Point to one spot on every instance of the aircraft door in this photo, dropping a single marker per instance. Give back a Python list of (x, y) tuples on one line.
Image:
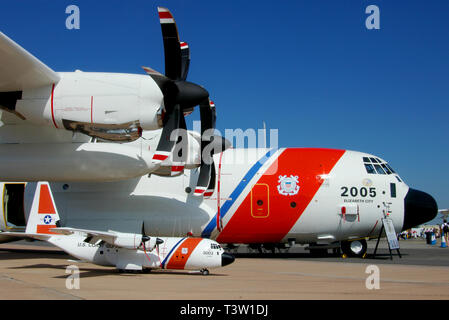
[(13, 205), (260, 201)]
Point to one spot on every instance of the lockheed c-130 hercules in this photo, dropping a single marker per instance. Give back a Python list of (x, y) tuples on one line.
[(91, 135)]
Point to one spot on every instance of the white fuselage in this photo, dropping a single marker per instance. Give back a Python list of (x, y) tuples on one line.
[(306, 195), (173, 253)]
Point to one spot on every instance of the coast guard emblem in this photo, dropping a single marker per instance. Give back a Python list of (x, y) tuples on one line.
[(288, 186)]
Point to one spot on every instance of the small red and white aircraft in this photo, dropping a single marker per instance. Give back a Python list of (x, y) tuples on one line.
[(124, 251), (90, 135)]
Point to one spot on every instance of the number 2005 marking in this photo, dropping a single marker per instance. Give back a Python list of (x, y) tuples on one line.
[(354, 192)]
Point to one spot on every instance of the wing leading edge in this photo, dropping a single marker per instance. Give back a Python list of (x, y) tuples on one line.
[(20, 70)]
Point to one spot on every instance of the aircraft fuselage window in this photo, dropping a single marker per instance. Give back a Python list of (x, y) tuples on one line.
[(393, 190), (369, 168)]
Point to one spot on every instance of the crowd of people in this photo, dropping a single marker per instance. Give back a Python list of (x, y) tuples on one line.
[(416, 233)]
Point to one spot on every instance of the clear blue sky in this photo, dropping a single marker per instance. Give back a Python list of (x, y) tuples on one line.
[(308, 68)]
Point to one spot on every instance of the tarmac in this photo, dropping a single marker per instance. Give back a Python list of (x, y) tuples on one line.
[(37, 271)]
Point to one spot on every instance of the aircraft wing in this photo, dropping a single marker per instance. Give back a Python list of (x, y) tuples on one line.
[(37, 236), (93, 236), (8, 118), (20, 70)]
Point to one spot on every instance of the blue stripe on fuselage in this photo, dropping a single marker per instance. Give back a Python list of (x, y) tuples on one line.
[(236, 193), (168, 255)]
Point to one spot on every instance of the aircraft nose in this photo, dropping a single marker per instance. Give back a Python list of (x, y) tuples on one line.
[(226, 258), (419, 207)]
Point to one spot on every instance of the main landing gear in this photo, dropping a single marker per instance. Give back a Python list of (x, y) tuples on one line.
[(349, 248), (354, 248)]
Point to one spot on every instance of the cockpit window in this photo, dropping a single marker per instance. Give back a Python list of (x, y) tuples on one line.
[(384, 166), (377, 166), (379, 169), (391, 169), (369, 168), (215, 246)]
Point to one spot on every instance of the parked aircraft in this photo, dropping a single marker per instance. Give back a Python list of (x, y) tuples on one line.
[(50, 117), (315, 196), (125, 251), (255, 196)]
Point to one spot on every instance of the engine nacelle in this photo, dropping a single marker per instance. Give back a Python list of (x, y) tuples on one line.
[(134, 241), (130, 241), (152, 243), (105, 105)]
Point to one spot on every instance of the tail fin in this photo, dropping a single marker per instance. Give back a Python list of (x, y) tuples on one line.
[(43, 215)]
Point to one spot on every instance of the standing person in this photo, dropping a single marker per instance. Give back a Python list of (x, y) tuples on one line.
[(445, 229)]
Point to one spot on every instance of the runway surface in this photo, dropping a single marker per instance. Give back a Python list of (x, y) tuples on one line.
[(38, 271)]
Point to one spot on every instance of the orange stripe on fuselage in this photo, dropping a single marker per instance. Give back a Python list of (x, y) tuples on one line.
[(179, 258), (45, 203), (306, 164)]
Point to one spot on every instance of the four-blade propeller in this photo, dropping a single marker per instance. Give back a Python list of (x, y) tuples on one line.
[(180, 97)]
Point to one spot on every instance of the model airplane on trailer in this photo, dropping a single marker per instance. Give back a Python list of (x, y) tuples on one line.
[(91, 135), (122, 250)]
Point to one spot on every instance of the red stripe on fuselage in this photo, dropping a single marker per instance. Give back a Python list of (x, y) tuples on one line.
[(52, 106), (281, 213), (179, 258)]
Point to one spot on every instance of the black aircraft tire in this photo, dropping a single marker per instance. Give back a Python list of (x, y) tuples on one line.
[(355, 248)]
